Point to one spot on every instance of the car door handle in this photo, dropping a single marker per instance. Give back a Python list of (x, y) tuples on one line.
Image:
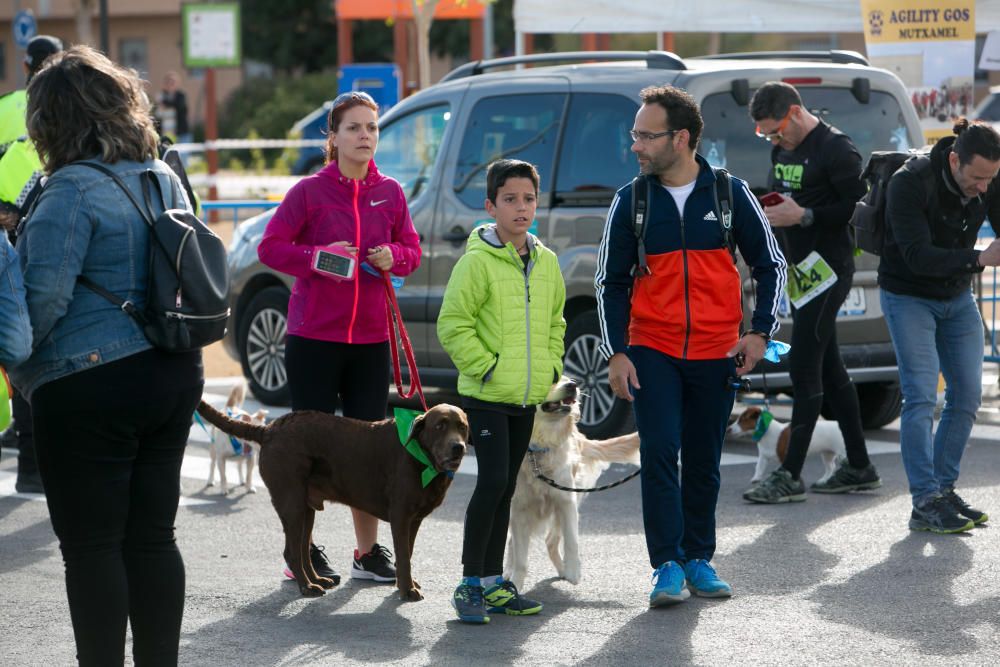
[(456, 235)]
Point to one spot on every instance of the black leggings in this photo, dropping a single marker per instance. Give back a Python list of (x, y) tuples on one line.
[(323, 376), (501, 441), (110, 442), (818, 373)]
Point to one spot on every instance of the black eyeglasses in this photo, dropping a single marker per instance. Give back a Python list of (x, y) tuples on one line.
[(646, 137), (358, 95)]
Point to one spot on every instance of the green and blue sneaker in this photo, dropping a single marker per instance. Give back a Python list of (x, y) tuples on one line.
[(503, 598), (468, 601), (668, 585), (704, 582)]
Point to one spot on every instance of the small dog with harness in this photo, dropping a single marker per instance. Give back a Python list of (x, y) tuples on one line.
[(569, 459), (223, 447), (772, 438)]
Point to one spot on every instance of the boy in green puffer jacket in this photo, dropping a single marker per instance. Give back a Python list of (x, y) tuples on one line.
[(502, 325)]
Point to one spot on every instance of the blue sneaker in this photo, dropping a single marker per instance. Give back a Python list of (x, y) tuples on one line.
[(703, 581), (468, 601), (668, 585)]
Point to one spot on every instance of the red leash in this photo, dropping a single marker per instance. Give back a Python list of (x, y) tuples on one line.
[(395, 320)]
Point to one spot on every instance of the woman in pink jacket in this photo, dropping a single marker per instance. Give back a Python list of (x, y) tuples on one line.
[(337, 347)]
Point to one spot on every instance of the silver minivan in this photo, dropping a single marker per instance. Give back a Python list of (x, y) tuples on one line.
[(570, 114)]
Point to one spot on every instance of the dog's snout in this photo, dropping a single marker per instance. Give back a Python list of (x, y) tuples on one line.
[(457, 448)]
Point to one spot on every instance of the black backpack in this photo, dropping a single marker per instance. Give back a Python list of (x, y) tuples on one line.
[(187, 304), (868, 220), (723, 211)]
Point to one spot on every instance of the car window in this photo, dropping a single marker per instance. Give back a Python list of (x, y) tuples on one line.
[(990, 109), (728, 139), (596, 149), (409, 145), (510, 126)]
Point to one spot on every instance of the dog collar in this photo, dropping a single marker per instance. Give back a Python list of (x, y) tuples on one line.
[(404, 422), (533, 447), (763, 423)]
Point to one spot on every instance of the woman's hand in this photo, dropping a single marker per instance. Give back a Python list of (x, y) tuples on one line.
[(380, 257), (347, 246)]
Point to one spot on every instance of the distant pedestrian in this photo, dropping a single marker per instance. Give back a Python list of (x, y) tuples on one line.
[(935, 206), (111, 413), (502, 324), (337, 347), (171, 110)]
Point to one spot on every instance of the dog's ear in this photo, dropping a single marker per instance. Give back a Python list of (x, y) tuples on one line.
[(416, 427)]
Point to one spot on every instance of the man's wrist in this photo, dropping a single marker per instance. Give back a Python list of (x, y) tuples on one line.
[(757, 332), (807, 218)]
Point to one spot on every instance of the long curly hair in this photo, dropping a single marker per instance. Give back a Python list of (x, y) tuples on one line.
[(83, 106)]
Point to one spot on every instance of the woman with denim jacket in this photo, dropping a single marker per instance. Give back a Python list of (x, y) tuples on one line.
[(111, 414)]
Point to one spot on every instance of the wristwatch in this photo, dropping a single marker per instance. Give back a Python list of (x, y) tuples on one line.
[(766, 337), (807, 218)]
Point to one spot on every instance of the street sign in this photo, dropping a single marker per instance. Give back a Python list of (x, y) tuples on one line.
[(25, 27), (211, 34)]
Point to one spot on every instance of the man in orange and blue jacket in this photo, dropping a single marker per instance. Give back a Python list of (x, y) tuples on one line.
[(670, 311)]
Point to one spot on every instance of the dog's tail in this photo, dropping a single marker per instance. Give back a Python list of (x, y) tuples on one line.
[(241, 429), (623, 449), (237, 395)]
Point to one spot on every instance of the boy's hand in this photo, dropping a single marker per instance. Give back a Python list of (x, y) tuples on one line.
[(622, 376), (380, 257), (748, 351)]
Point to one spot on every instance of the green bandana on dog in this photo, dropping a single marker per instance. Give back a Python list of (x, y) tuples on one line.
[(404, 425), (763, 422)]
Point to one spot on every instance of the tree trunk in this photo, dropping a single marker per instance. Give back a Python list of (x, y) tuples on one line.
[(423, 17), (84, 19)]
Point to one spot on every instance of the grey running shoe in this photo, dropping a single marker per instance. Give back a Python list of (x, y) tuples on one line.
[(469, 603), (938, 516), (778, 487), (847, 478), (963, 508)]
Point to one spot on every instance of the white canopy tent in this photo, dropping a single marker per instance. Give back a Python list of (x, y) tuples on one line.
[(613, 16)]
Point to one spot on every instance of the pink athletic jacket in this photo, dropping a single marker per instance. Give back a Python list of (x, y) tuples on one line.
[(328, 207)]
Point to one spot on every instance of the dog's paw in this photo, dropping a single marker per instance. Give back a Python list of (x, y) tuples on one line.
[(326, 582), (311, 591), (412, 595), (251, 489), (209, 483), (416, 585), (571, 573)]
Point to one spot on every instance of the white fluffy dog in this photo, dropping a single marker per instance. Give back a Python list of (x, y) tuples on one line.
[(223, 446), (570, 459)]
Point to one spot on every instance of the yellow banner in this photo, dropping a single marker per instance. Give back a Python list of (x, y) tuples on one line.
[(889, 21)]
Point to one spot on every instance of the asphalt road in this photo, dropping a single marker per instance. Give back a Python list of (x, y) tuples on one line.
[(836, 580)]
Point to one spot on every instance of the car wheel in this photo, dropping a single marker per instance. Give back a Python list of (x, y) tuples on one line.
[(881, 403), (602, 414), (261, 341)]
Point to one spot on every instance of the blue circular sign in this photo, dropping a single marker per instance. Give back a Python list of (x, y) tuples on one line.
[(25, 27)]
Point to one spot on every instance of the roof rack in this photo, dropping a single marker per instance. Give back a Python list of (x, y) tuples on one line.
[(654, 60), (834, 56)]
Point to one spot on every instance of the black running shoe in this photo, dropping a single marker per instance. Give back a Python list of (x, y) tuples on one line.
[(938, 516), (964, 509), (846, 478), (375, 565), (320, 563)]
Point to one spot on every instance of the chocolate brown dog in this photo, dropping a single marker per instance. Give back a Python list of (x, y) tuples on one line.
[(307, 457)]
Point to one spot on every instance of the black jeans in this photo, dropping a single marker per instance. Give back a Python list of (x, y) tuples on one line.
[(323, 375), (818, 374), (501, 441), (110, 441)]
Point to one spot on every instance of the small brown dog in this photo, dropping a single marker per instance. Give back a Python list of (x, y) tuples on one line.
[(308, 457)]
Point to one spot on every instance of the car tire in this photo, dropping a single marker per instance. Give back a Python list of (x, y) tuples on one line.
[(261, 341), (602, 414), (881, 403)]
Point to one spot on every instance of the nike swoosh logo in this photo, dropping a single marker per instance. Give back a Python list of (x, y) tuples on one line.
[(380, 201)]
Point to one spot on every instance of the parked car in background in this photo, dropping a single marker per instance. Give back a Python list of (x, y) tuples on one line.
[(988, 108), (572, 121)]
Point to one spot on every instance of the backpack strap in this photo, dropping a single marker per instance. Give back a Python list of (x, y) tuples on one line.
[(640, 204), (724, 208)]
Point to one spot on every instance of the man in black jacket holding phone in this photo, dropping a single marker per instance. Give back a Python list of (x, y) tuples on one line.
[(817, 169), (935, 206)]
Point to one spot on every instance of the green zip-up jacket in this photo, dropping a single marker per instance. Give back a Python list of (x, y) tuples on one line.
[(501, 323)]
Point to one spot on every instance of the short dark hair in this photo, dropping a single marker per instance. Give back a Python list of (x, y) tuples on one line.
[(500, 170), (975, 138), (773, 100), (682, 110)]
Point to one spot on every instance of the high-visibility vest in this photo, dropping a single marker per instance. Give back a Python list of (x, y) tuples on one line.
[(12, 108)]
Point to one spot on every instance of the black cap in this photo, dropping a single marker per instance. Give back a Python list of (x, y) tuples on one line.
[(40, 48)]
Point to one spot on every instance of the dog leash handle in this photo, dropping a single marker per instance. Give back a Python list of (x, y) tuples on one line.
[(395, 320)]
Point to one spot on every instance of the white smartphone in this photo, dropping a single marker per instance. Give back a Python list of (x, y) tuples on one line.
[(334, 262)]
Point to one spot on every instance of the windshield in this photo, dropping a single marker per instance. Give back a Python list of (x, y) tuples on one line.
[(408, 147)]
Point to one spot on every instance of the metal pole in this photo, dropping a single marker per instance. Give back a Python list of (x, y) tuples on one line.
[(488, 31), (105, 46)]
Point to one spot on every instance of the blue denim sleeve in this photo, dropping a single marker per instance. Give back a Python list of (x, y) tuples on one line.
[(52, 247), (15, 328)]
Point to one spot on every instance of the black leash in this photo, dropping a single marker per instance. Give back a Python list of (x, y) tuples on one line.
[(557, 485)]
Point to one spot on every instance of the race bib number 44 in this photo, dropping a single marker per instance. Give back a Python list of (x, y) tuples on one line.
[(808, 279)]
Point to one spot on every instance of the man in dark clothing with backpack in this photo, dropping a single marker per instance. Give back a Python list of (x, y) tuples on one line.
[(670, 314), (816, 169), (935, 206)]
